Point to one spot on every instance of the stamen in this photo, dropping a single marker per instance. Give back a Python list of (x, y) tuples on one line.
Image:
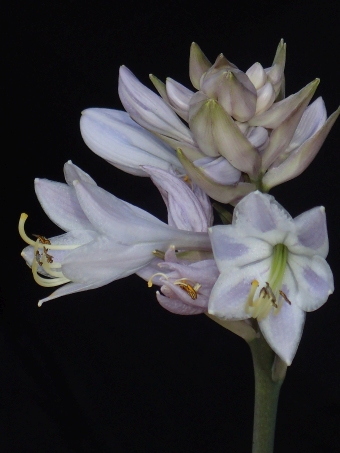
[(285, 297), (254, 286), (38, 257), (154, 275), (159, 254), (41, 239), (47, 282), (271, 294), (191, 290)]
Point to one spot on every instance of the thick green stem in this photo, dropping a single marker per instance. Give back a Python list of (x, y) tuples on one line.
[(269, 375)]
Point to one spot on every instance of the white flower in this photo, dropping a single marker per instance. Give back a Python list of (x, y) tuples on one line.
[(272, 268)]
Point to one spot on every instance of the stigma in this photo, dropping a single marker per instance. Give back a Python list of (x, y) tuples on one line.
[(43, 262)]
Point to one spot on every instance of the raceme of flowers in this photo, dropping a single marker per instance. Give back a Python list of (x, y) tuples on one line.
[(257, 274)]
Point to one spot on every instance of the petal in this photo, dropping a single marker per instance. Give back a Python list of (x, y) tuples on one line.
[(204, 272), (261, 216), (265, 98), (72, 173), (184, 207), (179, 96), (281, 136), (237, 95), (60, 203), (71, 288), (148, 109), (112, 216), (283, 332), (257, 75), (216, 133), (314, 280), (276, 72), (106, 259), (311, 229), (219, 192), (191, 151), (229, 295), (219, 170), (299, 159), (130, 224), (281, 110), (177, 306), (114, 136), (258, 137), (313, 118), (233, 249), (178, 104), (198, 65), (205, 203)]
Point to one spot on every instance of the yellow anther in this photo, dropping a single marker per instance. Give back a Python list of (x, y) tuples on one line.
[(191, 290), (182, 283), (265, 302)]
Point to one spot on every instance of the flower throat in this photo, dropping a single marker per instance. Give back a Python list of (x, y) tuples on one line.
[(270, 296)]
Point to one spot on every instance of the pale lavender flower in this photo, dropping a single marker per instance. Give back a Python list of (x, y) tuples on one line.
[(106, 238), (185, 285), (186, 282), (272, 269)]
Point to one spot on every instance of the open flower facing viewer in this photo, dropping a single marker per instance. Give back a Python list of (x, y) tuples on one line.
[(273, 269)]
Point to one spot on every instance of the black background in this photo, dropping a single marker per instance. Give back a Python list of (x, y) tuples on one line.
[(109, 370)]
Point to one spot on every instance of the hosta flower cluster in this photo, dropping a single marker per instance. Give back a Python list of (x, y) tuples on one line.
[(256, 275), (242, 134)]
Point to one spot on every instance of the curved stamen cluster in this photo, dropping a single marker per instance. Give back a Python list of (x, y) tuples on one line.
[(44, 260), (271, 295), (190, 288)]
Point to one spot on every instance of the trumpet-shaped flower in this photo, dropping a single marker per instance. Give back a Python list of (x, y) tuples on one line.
[(242, 133), (106, 238), (273, 269)]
